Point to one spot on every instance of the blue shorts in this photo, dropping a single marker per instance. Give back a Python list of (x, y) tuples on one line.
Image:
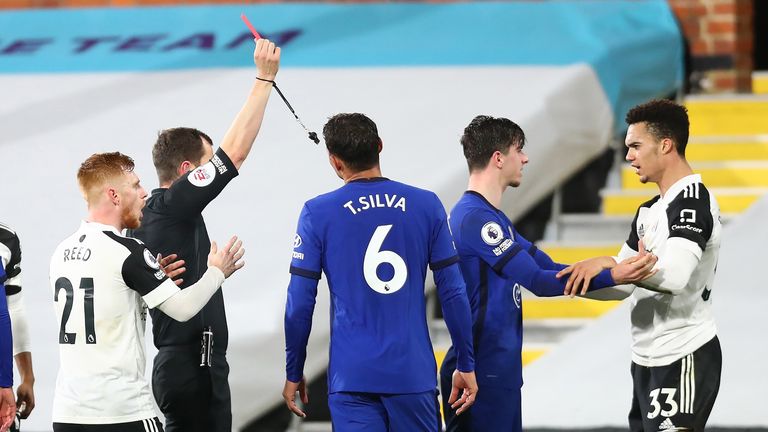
[(374, 412)]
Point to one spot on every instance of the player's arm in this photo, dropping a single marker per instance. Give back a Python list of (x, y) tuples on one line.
[(452, 293), (542, 259), (143, 273), (239, 138), (6, 349), (483, 234), (690, 227), (306, 270), (25, 395), (182, 305), (616, 292), (629, 267)]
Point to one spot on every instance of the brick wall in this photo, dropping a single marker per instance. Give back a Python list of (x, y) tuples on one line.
[(719, 33), (721, 42)]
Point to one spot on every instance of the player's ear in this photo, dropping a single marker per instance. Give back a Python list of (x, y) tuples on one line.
[(381, 145), (667, 146), (336, 163), (496, 159), (112, 195)]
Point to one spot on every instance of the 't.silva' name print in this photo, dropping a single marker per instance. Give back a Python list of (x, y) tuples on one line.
[(375, 201)]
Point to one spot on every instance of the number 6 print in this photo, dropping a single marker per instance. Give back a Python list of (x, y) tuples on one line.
[(374, 257)]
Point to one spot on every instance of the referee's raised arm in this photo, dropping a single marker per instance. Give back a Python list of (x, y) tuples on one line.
[(239, 138)]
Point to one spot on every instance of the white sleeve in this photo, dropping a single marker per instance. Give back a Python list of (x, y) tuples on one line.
[(19, 323), (617, 292), (186, 303), (681, 256)]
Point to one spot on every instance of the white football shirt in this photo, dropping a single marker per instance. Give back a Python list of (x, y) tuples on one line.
[(102, 283)]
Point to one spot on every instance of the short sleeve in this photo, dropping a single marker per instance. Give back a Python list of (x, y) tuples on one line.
[(442, 249), (192, 192), (690, 217), (142, 273), (306, 258), (483, 233)]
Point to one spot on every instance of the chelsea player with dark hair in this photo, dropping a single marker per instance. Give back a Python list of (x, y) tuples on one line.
[(497, 263), (374, 239)]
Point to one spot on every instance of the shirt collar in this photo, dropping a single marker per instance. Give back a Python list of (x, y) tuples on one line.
[(679, 185), (482, 198), (96, 226)]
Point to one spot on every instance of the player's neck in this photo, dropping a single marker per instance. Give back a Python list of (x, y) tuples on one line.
[(486, 186), (673, 174), (365, 174), (106, 217)]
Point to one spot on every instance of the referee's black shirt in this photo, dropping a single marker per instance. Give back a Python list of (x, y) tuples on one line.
[(173, 223)]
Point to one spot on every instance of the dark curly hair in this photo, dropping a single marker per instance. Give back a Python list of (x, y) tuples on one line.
[(354, 139), (485, 135), (664, 119)]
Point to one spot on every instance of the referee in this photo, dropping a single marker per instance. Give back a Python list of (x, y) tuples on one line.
[(193, 393)]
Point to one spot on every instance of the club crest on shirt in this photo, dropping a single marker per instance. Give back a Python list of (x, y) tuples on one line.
[(491, 233), (203, 175), (151, 260), (517, 295)]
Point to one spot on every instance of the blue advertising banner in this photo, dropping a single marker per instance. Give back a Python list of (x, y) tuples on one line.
[(634, 46)]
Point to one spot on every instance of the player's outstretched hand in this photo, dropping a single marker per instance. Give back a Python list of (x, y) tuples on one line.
[(266, 56), (467, 384), (289, 394), (172, 267), (582, 272), (228, 259), (636, 268), (7, 408)]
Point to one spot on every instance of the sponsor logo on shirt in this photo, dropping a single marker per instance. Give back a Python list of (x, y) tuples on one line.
[(202, 176), (687, 227), (688, 215), (220, 167), (502, 247), (491, 233), (151, 260), (296, 243), (159, 274)]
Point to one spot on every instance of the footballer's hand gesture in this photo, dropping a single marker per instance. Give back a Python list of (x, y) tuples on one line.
[(582, 273), (266, 56), (636, 268), (289, 394), (172, 267), (228, 259), (467, 384)]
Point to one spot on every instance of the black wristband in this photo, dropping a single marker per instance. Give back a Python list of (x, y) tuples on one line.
[(262, 79)]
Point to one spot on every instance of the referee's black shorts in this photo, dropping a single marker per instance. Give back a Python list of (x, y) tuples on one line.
[(678, 395), (148, 425)]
